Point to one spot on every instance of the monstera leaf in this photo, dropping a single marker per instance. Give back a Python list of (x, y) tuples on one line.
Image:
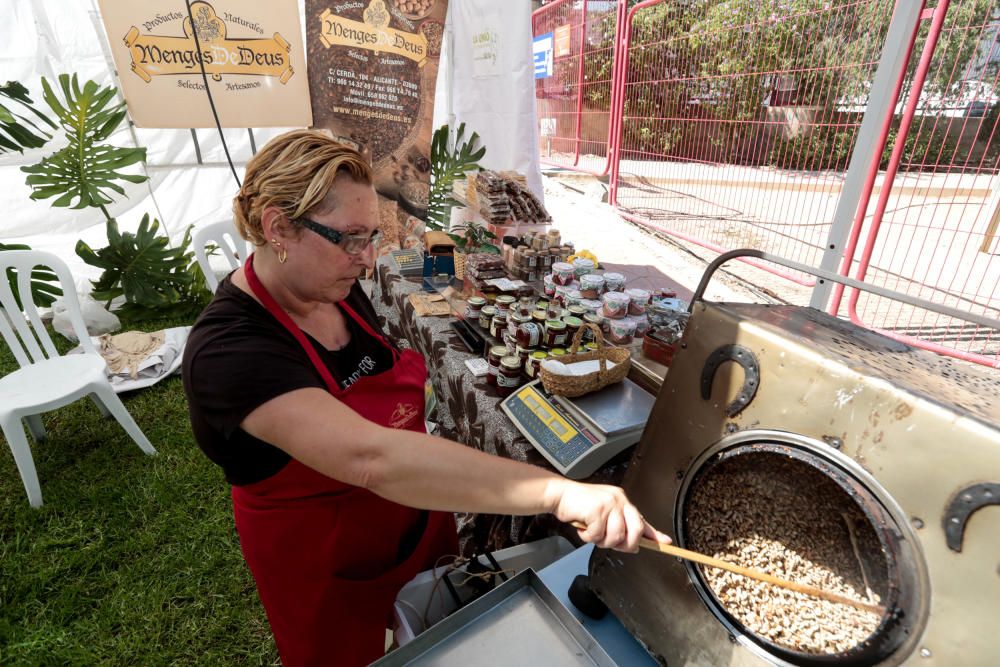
[(18, 131), (141, 267), (85, 172), (44, 284), (447, 166)]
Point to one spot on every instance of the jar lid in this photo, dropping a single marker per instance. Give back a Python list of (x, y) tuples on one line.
[(512, 362), (571, 321), (555, 324), (539, 354), (505, 298), (577, 310), (540, 314), (530, 253), (562, 266), (557, 352), (489, 310), (498, 351), (476, 301), (523, 350), (520, 319), (593, 318)]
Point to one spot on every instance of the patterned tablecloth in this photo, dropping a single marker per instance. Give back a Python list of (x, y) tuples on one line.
[(469, 412)]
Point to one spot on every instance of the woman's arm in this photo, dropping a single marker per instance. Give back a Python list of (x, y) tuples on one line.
[(428, 472)]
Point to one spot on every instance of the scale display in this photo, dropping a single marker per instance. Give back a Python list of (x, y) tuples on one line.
[(577, 436)]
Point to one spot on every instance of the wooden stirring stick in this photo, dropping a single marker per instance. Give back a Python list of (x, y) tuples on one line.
[(805, 589)]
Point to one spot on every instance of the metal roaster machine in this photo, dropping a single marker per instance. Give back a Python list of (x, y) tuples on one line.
[(784, 434)]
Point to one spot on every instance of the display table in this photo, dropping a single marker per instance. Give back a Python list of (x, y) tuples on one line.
[(468, 411)]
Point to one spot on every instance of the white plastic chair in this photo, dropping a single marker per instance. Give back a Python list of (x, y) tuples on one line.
[(224, 236), (46, 380)]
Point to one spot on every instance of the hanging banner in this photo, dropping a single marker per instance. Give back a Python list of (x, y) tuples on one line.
[(372, 69), (252, 53)]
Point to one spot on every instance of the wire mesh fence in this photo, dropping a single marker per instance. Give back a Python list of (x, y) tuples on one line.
[(732, 124)]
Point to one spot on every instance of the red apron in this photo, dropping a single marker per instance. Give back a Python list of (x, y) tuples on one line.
[(325, 554)]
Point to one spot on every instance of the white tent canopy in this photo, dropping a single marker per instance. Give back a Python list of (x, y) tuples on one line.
[(51, 37)]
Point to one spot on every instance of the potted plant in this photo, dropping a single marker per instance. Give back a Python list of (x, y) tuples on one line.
[(471, 238)]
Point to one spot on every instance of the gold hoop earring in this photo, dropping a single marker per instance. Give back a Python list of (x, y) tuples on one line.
[(281, 252)]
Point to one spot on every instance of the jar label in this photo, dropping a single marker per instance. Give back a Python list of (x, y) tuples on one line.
[(504, 381)]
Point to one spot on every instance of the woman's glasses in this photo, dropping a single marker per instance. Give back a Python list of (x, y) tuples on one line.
[(352, 244)]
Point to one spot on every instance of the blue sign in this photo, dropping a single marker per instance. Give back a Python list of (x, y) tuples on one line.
[(542, 48)]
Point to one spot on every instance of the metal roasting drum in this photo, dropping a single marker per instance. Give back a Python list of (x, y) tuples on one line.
[(868, 461)]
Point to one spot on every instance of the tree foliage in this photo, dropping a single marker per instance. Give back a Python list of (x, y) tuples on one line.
[(703, 74)]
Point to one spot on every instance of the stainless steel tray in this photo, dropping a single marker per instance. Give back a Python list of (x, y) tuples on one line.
[(519, 623)]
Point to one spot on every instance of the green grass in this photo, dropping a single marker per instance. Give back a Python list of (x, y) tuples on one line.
[(132, 559)]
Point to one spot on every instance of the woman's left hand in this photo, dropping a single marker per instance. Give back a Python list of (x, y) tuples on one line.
[(612, 522)]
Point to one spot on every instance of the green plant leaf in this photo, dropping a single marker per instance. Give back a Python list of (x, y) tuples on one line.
[(45, 287), (17, 131), (146, 271), (447, 166), (85, 173)]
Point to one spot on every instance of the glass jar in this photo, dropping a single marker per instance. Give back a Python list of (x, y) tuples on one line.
[(525, 305), (573, 325), (539, 316), (614, 282), (523, 353), (554, 311), (572, 297), (593, 318), (509, 375), (582, 266), (621, 332), (514, 320), (555, 333), (577, 310), (529, 334), (548, 285), (591, 286), (562, 273), (532, 368), (503, 303), (638, 300), (499, 324), (529, 258), (474, 307), (496, 353), (615, 305), (486, 316)]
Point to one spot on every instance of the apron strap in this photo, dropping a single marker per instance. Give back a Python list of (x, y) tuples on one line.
[(279, 313), (367, 328)]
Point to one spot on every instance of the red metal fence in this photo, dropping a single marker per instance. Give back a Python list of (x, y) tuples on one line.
[(575, 103), (733, 123)]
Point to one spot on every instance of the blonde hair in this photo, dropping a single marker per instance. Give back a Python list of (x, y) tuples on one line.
[(294, 172)]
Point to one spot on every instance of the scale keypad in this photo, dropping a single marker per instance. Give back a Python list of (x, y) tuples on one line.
[(563, 442)]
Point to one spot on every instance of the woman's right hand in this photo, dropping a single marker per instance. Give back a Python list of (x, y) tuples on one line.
[(610, 520)]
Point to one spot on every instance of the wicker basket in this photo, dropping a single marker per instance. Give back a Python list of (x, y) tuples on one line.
[(578, 385), (459, 258)]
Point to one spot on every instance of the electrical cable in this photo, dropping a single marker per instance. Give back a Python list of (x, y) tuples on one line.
[(208, 91)]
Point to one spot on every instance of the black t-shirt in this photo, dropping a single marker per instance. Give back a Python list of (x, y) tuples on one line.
[(238, 357)]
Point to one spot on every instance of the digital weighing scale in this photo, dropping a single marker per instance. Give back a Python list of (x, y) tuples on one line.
[(579, 435)]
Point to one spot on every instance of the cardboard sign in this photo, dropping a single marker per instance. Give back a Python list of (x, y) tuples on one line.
[(562, 38), (251, 50)]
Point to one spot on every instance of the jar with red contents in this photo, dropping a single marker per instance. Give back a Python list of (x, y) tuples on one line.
[(495, 354), (509, 376), (529, 334), (555, 333)]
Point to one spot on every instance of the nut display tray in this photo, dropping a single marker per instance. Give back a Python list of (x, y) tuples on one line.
[(519, 623)]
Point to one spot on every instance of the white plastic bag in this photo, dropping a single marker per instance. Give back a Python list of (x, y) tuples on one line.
[(97, 319)]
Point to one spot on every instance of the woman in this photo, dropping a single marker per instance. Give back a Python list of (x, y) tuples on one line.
[(317, 420)]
